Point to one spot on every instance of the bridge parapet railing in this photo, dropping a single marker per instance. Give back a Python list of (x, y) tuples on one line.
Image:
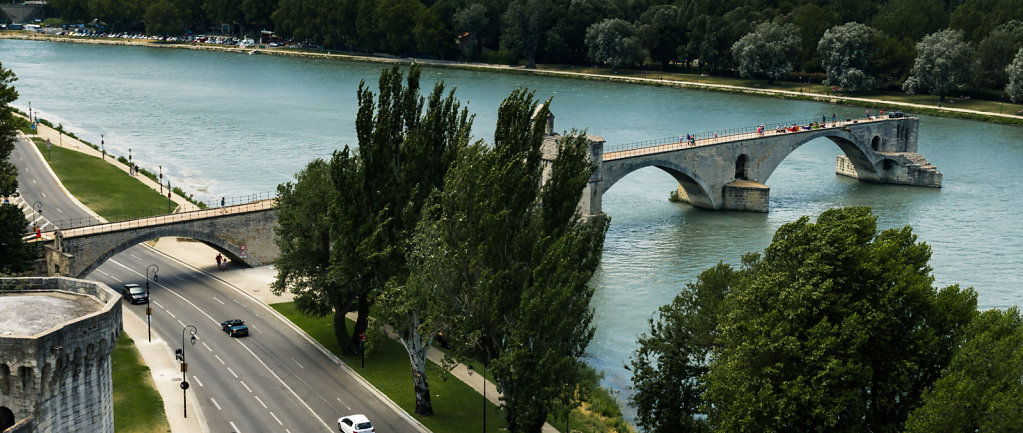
[(84, 226), (724, 135)]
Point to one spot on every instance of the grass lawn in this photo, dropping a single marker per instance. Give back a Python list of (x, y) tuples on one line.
[(102, 187), (457, 408), (137, 409)]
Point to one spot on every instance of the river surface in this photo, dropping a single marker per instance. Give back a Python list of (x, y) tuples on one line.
[(225, 124)]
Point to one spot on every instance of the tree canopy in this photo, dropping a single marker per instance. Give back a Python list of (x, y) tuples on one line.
[(847, 51), (835, 327), (614, 42), (767, 50), (1015, 74), (943, 63), (15, 255)]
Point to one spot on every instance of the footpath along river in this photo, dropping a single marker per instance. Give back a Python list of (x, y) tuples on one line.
[(224, 124)]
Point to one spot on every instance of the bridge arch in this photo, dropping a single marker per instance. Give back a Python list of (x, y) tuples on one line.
[(859, 152), (138, 237), (696, 188), (741, 167)]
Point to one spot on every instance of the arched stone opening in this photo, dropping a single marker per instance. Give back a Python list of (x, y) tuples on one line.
[(889, 165), (875, 143), (741, 168), (6, 418)]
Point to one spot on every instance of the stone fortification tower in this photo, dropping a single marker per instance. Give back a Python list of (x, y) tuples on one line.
[(56, 335)]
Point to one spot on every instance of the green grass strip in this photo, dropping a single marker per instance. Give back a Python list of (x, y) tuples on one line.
[(457, 407), (105, 189), (137, 409)]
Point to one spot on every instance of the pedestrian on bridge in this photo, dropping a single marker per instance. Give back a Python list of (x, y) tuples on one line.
[(220, 259), (222, 201)]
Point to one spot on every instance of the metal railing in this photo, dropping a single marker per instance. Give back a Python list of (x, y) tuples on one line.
[(88, 226), (727, 135)]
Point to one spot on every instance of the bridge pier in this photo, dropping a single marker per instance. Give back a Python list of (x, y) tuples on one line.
[(897, 168)]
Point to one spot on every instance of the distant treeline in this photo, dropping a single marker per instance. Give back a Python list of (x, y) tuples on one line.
[(696, 35)]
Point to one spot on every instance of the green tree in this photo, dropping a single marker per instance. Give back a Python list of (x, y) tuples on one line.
[(995, 52), (473, 20), (980, 391), (663, 30), (769, 49), (1015, 73), (669, 365), (911, 19), (812, 21), (847, 51), (519, 259), (943, 63), (120, 15), (163, 18), (566, 41), (15, 255), (978, 17), (614, 42), (395, 21), (836, 328), (524, 23)]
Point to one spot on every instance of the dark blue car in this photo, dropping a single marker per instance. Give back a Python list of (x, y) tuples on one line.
[(235, 328)]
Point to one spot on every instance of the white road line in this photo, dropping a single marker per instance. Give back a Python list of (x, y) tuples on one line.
[(183, 325), (58, 209), (157, 304), (118, 279), (171, 314), (343, 403), (278, 419), (285, 385), (104, 273), (215, 403), (234, 428), (43, 193), (221, 360), (207, 347), (246, 386), (200, 310), (218, 300), (264, 404), (196, 379), (33, 181), (296, 362), (232, 372), (136, 257)]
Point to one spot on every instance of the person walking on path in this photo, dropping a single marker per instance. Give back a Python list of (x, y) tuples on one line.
[(220, 258), (222, 202)]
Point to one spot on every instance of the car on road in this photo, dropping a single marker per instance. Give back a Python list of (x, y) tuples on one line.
[(135, 294), (355, 424), (234, 328)]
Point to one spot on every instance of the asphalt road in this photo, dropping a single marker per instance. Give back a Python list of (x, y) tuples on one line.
[(273, 380)]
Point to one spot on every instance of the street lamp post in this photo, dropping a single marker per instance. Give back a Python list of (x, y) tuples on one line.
[(168, 196), (149, 299), (103, 147), (161, 179), (184, 365), (484, 376)]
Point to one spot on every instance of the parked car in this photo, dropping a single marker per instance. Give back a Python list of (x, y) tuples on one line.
[(234, 328), (355, 424), (135, 294)]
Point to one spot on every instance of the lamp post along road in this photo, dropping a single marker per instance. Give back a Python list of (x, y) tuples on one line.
[(180, 354), (149, 299), (484, 376)]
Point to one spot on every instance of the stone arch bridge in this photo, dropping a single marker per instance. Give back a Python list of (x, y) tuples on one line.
[(729, 171), (243, 233)]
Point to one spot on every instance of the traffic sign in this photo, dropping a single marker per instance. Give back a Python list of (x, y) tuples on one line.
[(184, 367)]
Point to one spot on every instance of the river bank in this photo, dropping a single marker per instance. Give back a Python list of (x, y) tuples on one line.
[(811, 93)]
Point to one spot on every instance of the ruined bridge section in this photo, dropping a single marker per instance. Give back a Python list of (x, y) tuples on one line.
[(730, 172), (244, 233)]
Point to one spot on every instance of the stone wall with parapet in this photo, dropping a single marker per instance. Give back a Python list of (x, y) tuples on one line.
[(60, 380)]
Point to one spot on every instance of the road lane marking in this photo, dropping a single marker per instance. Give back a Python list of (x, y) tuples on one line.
[(171, 314), (136, 257), (43, 193), (215, 403), (232, 372), (286, 386), (183, 325), (296, 362), (234, 428), (58, 209), (157, 304), (221, 360), (207, 347), (218, 300), (275, 417), (343, 403), (246, 386), (196, 379), (264, 404)]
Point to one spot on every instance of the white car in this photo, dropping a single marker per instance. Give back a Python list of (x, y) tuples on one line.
[(355, 424)]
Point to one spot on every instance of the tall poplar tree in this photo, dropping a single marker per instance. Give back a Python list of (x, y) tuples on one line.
[(14, 254), (512, 261)]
